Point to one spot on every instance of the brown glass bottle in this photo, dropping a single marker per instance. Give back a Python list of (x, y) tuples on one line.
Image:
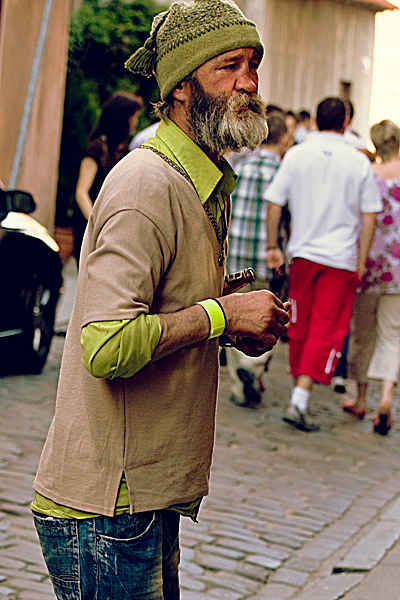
[(235, 281)]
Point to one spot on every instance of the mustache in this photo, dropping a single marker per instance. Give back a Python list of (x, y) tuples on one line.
[(253, 102)]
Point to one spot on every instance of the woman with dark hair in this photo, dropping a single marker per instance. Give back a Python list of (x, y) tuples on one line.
[(108, 144)]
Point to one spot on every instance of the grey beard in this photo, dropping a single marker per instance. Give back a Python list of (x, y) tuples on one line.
[(217, 125)]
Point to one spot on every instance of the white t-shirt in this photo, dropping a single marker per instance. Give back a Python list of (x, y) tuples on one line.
[(327, 185)]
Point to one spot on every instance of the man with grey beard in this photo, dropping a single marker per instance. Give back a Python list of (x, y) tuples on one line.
[(221, 123), (130, 446)]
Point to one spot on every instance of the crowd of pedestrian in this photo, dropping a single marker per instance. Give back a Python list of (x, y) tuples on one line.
[(343, 254)]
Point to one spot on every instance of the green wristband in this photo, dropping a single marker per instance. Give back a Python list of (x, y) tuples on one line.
[(216, 316)]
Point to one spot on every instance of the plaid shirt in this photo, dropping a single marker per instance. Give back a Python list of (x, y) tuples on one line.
[(248, 230)]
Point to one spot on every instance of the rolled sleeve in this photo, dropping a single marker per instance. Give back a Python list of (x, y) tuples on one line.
[(113, 349)]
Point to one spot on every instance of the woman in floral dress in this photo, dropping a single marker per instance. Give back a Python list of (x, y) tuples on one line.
[(375, 334)]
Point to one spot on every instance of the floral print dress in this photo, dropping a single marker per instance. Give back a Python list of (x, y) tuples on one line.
[(382, 274)]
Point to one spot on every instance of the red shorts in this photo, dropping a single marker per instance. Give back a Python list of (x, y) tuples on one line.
[(322, 301)]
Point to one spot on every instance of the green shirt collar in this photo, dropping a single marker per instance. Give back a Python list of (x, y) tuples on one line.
[(207, 177)]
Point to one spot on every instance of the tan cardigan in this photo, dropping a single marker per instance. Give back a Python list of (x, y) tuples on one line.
[(149, 247)]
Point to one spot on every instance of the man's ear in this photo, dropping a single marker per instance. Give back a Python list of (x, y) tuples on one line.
[(182, 92)]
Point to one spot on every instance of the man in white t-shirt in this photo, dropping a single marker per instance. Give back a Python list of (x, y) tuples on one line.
[(333, 202)]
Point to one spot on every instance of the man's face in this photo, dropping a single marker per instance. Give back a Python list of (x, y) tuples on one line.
[(230, 73), (225, 112)]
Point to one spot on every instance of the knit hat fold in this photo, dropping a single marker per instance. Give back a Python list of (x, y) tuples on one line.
[(143, 61), (188, 35)]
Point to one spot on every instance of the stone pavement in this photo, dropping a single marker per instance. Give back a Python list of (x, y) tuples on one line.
[(290, 515)]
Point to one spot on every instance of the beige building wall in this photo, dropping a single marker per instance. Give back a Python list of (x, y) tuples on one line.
[(313, 49), (20, 22), (385, 101)]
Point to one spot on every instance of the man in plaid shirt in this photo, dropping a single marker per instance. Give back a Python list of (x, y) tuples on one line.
[(248, 246)]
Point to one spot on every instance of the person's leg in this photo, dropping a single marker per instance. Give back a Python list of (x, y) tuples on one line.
[(171, 555), (127, 557), (302, 283), (361, 348), (362, 337), (339, 380), (303, 276), (69, 551), (295, 414), (387, 393), (305, 382), (245, 372), (382, 422), (233, 359), (329, 322), (138, 556), (385, 362)]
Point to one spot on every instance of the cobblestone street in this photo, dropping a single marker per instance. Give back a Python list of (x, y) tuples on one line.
[(290, 515)]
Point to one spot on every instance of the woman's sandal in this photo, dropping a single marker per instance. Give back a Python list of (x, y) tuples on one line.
[(349, 407), (382, 423)]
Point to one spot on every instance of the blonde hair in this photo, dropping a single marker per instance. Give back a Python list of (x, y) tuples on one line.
[(386, 139)]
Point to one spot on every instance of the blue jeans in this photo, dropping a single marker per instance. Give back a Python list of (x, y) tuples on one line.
[(127, 557)]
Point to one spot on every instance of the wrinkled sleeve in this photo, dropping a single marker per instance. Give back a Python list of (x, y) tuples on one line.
[(124, 268), (113, 349)]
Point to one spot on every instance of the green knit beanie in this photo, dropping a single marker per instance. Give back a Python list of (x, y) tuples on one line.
[(188, 35)]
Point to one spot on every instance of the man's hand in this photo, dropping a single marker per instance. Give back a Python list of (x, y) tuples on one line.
[(275, 260), (361, 270), (257, 319), (366, 239)]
